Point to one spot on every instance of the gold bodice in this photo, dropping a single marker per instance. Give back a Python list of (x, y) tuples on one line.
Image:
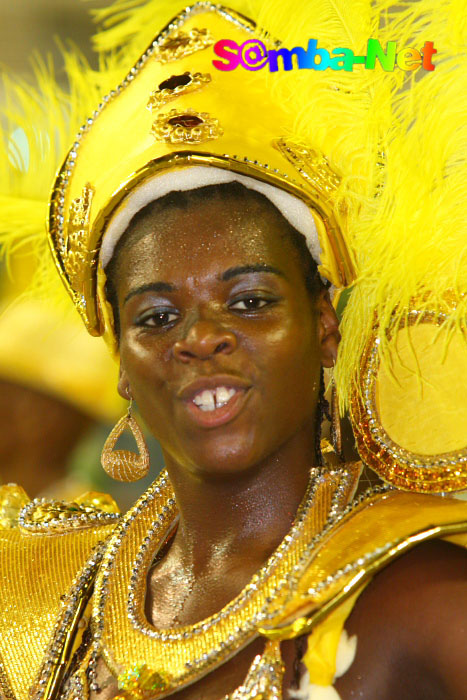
[(50, 559)]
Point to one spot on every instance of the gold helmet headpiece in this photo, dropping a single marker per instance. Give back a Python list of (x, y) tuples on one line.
[(176, 124)]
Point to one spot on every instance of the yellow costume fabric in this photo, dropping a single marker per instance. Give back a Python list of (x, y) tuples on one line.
[(47, 561), (322, 645)]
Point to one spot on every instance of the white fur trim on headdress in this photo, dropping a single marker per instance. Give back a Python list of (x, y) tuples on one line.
[(293, 209)]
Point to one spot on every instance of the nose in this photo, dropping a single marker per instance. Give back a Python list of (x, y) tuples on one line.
[(204, 340)]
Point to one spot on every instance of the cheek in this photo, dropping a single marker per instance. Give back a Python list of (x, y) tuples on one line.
[(148, 371), (288, 366), (291, 341), (146, 365)]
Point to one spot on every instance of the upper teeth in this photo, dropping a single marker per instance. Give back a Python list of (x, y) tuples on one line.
[(208, 400)]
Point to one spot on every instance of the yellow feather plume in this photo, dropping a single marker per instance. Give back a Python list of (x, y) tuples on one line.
[(42, 341), (411, 240)]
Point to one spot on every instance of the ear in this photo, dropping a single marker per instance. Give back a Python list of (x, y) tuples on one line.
[(328, 329), (123, 385)]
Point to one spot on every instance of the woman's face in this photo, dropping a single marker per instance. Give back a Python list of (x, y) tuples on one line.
[(221, 343)]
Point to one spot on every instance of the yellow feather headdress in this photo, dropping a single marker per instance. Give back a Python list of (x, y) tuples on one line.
[(391, 219)]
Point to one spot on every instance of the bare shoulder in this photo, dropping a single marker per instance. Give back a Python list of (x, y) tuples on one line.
[(411, 626)]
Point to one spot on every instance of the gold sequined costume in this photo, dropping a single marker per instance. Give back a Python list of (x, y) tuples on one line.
[(73, 575), (51, 558)]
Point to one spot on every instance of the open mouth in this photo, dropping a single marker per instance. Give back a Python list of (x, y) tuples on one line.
[(209, 400), (214, 401)]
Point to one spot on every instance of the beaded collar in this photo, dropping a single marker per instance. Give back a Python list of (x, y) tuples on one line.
[(180, 656)]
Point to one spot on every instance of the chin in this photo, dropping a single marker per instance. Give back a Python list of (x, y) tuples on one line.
[(221, 455)]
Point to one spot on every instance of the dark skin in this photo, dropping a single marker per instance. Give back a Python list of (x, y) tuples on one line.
[(416, 649), (225, 313)]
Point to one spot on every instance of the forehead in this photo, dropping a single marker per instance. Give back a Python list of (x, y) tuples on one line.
[(212, 233)]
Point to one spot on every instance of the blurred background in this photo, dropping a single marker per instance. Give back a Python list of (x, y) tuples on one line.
[(58, 399), (27, 26)]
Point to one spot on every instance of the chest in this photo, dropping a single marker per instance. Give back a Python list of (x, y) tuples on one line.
[(194, 638)]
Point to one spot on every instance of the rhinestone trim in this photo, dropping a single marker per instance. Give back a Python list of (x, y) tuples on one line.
[(337, 513), (361, 561), (106, 568), (140, 624), (71, 603), (50, 516)]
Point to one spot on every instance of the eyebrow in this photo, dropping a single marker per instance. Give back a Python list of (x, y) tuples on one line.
[(250, 269), (225, 277), (151, 287)]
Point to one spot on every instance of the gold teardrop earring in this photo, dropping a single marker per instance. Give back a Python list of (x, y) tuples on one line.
[(125, 465), (336, 429)]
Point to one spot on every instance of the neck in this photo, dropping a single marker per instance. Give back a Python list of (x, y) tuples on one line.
[(243, 516)]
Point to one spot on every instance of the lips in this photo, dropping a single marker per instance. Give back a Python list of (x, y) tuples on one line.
[(216, 400)]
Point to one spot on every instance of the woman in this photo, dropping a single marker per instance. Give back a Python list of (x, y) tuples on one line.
[(242, 572)]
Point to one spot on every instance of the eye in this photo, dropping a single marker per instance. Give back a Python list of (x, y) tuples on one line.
[(157, 318), (250, 303)]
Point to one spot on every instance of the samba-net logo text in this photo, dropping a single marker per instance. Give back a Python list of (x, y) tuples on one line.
[(253, 55)]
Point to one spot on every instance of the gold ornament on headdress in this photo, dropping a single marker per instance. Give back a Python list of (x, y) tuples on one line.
[(175, 86), (188, 126), (78, 258), (181, 44)]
